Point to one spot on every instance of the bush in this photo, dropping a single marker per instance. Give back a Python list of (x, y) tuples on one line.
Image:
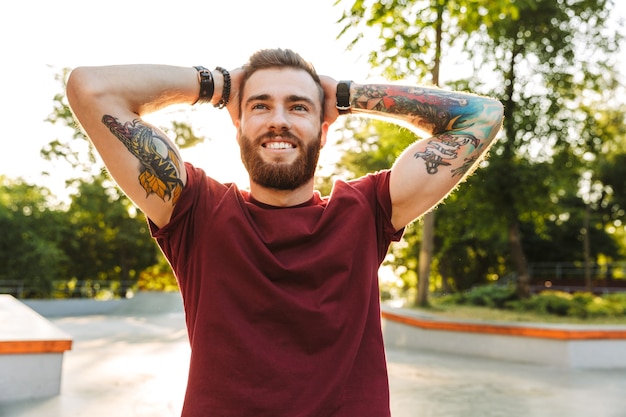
[(451, 299), (492, 296), (601, 307), (580, 304), (558, 303), (547, 302), (617, 298)]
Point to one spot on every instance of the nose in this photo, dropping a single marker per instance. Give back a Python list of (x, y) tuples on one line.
[(279, 119)]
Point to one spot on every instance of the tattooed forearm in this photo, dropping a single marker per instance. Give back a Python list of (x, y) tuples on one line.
[(160, 164), (433, 111)]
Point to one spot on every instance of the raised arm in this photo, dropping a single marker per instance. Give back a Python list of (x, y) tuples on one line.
[(109, 103), (461, 127)]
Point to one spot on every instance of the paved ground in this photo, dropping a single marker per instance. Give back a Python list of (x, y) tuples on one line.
[(134, 364)]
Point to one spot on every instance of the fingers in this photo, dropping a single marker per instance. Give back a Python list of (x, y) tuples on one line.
[(329, 85)]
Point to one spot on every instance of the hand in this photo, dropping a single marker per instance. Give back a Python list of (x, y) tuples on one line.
[(236, 78), (330, 98)]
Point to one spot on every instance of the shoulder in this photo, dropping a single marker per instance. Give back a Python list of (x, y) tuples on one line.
[(199, 182), (371, 189), (200, 194), (371, 184)]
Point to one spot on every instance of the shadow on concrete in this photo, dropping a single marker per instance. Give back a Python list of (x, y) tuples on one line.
[(133, 362)]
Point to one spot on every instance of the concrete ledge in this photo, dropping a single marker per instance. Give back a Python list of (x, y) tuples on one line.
[(74, 307), (143, 302), (31, 352), (560, 345)]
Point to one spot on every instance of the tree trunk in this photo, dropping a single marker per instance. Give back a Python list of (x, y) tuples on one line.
[(515, 236), (587, 250), (428, 228), (425, 258), (519, 260)]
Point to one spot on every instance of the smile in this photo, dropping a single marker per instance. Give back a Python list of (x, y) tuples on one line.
[(279, 145)]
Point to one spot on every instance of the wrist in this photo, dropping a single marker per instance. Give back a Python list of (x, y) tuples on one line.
[(218, 79), (214, 86), (225, 98), (343, 96), (206, 85)]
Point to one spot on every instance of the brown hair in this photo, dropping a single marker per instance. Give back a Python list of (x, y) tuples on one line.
[(281, 58)]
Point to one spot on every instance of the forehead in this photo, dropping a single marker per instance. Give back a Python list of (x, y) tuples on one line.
[(281, 83)]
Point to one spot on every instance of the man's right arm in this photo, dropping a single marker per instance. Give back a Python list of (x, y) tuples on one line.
[(109, 103)]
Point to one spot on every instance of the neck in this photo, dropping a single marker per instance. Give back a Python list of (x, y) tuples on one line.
[(282, 198)]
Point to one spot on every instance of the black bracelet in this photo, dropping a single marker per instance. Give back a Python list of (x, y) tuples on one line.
[(343, 97), (207, 86), (226, 90)]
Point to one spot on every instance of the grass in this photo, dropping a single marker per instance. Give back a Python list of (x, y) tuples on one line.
[(465, 312)]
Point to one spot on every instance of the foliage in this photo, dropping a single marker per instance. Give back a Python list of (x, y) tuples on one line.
[(99, 242), (105, 229), (158, 277), (549, 75), (560, 156), (581, 305), (29, 251), (494, 296)]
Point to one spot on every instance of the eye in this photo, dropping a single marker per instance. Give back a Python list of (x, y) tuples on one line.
[(300, 107), (258, 106)]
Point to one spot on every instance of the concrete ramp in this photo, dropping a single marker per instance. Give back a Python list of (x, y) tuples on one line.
[(31, 352)]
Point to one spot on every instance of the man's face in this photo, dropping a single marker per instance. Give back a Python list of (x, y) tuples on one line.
[(280, 131)]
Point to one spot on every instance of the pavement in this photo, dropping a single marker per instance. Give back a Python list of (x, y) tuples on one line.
[(133, 363)]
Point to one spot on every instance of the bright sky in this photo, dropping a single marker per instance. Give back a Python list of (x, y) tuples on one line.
[(41, 37)]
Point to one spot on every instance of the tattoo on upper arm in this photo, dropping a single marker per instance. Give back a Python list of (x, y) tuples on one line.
[(444, 148), (160, 164)]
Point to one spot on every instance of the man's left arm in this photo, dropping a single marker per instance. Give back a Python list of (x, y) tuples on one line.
[(460, 128)]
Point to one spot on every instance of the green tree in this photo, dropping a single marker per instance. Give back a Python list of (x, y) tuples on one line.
[(543, 58), (106, 239), (548, 59), (612, 204), (413, 37), (29, 253)]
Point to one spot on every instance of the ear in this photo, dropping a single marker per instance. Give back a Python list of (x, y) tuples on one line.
[(237, 124), (325, 127)]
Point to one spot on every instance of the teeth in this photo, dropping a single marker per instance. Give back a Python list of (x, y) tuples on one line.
[(279, 145)]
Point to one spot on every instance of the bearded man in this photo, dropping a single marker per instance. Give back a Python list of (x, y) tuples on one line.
[(279, 283)]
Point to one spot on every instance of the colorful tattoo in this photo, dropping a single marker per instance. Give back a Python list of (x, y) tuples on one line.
[(449, 116), (160, 164), (436, 113)]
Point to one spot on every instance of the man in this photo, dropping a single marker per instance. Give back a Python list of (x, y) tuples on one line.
[(279, 283)]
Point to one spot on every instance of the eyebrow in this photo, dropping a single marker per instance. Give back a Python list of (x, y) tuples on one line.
[(294, 98)]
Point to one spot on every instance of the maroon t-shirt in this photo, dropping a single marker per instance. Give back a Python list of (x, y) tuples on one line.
[(282, 304)]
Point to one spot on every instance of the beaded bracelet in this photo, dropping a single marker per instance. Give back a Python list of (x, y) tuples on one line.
[(226, 90), (207, 86)]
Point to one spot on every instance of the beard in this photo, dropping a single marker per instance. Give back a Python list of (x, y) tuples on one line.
[(280, 175)]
